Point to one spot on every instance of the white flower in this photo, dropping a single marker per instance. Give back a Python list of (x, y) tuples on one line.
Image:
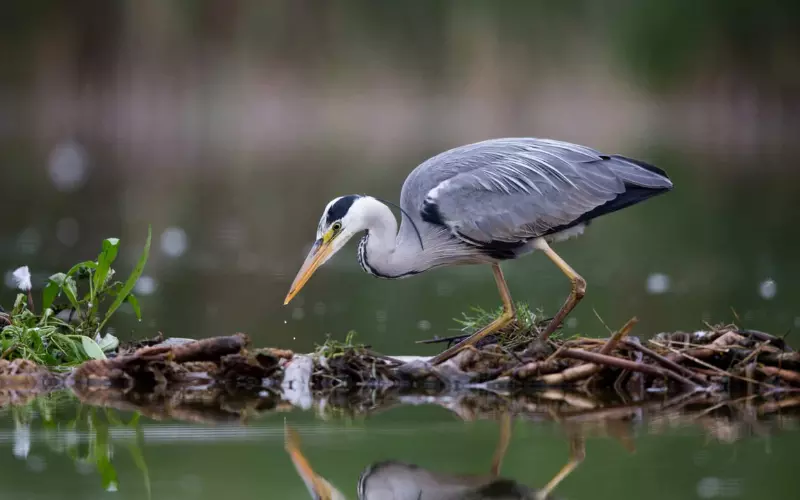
[(22, 278)]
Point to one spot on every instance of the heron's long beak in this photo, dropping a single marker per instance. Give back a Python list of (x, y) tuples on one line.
[(317, 485), (316, 257)]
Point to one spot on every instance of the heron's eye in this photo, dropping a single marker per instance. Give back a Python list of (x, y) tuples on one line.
[(337, 226)]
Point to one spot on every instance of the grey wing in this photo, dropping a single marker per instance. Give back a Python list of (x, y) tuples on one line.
[(515, 189)]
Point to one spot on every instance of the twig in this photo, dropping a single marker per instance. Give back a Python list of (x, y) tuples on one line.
[(570, 374), (524, 371), (621, 333), (555, 354), (714, 368), (765, 337), (787, 375), (601, 321), (750, 356), (773, 406), (442, 339), (664, 361), (626, 364)]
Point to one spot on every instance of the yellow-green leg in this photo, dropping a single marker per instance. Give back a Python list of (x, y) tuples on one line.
[(578, 287), (502, 444), (577, 452), (504, 319)]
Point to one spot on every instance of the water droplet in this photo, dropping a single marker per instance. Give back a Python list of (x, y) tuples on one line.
[(424, 325), (767, 289), (657, 283), (67, 165), (571, 322), (146, 285), (174, 241), (67, 231)]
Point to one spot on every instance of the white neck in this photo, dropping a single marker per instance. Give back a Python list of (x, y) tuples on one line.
[(380, 256)]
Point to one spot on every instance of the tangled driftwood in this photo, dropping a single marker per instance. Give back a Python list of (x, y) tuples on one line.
[(194, 374)]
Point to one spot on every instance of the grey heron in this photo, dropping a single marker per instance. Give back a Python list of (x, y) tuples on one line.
[(396, 480), (485, 203)]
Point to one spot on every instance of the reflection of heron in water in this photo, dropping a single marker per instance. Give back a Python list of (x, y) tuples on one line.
[(393, 480)]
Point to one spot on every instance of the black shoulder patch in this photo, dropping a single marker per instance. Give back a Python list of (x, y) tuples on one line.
[(340, 208), (430, 213)]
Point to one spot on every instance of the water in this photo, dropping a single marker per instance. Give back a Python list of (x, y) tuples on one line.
[(228, 129), (690, 451)]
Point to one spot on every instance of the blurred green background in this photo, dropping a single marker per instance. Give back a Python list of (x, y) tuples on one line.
[(229, 125)]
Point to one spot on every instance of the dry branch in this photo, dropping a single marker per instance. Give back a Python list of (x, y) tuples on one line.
[(625, 364)]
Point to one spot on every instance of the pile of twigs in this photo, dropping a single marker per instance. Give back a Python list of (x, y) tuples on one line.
[(718, 359)]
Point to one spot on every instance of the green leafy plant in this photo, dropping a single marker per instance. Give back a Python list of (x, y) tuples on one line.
[(82, 291), (99, 449), (99, 277), (334, 348), (527, 319)]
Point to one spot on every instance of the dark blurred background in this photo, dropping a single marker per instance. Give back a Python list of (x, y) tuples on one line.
[(228, 126)]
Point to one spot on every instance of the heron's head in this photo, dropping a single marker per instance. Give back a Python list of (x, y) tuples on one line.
[(342, 218)]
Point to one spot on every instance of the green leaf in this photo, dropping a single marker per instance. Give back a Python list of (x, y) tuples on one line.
[(67, 284), (51, 291), (91, 348), (136, 453), (104, 261), (134, 302), (88, 264), (101, 452), (71, 291), (131, 281)]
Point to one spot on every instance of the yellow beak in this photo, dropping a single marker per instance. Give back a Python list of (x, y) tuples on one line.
[(316, 484), (318, 254)]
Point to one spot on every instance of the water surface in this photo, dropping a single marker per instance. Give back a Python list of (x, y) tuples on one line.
[(56, 448)]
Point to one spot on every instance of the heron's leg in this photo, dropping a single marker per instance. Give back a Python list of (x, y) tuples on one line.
[(577, 452), (504, 319), (502, 444), (578, 286)]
